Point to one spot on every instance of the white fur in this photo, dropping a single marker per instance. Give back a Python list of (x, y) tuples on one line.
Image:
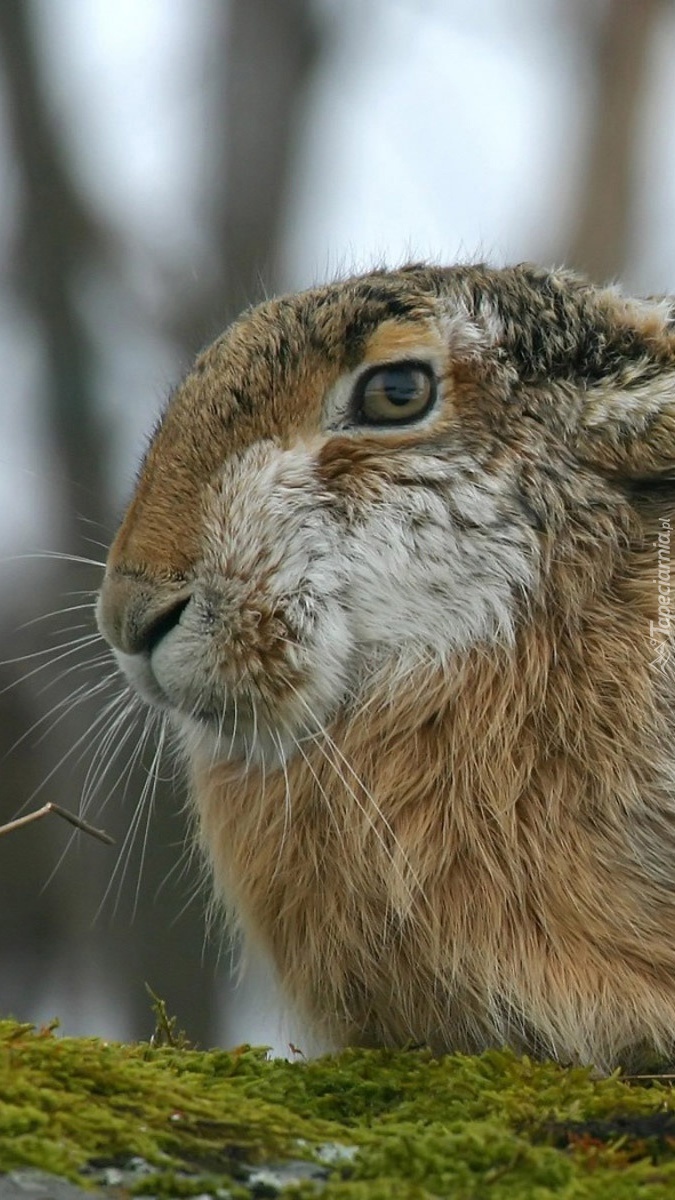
[(417, 577)]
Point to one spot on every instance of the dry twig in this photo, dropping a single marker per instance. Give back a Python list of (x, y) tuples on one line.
[(60, 812)]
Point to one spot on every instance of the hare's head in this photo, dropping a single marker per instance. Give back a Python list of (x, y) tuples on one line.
[(367, 478), (398, 570)]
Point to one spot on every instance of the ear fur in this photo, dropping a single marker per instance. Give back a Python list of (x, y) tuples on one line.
[(627, 419)]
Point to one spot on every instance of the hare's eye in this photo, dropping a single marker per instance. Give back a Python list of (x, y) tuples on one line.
[(395, 394)]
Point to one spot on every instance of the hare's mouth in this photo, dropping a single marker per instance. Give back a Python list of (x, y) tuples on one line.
[(183, 690), (212, 720)]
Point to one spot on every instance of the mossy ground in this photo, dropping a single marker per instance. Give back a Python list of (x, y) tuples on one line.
[(493, 1126)]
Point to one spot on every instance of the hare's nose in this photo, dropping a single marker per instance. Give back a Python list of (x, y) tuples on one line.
[(135, 614)]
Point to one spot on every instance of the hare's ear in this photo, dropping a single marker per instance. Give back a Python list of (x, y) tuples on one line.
[(627, 417), (629, 429)]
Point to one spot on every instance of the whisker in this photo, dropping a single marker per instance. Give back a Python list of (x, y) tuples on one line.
[(141, 805), (105, 546), (100, 763), (338, 828), (288, 800), (56, 556), (236, 719), (84, 738), (72, 645), (119, 872), (86, 667), (254, 735), (100, 735), (148, 795), (86, 691), (58, 612), (323, 732), (124, 774)]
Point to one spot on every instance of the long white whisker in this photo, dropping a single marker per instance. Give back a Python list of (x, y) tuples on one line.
[(84, 738), (236, 719), (105, 546), (58, 612), (119, 872), (56, 556), (323, 732), (372, 822), (288, 799), (101, 761), (85, 691), (219, 736), (83, 668), (322, 790), (254, 735), (103, 715), (67, 648), (148, 795)]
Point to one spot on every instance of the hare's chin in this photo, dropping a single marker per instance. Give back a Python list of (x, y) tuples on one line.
[(244, 743), (213, 729)]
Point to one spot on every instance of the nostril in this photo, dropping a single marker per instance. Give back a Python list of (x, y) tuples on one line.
[(135, 614), (157, 626)]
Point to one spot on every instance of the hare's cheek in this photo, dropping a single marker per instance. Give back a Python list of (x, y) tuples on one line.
[(429, 581)]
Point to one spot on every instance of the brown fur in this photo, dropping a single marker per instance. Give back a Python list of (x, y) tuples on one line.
[(514, 897), (479, 850)]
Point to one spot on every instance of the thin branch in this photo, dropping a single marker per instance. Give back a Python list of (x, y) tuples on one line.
[(60, 812)]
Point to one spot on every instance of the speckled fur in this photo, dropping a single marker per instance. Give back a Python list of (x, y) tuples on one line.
[(418, 673)]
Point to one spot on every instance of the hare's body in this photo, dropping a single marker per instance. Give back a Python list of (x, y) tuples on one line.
[(398, 566)]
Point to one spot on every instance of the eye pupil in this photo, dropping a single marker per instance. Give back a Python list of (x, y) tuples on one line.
[(394, 395), (398, 387)]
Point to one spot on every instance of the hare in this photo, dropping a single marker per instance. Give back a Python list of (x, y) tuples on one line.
[(397, 570)]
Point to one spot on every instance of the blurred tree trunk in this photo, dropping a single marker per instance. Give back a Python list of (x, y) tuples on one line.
[(58, 240), (600, 242), (260, 56)]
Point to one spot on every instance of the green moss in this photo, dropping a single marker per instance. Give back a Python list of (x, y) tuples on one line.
[(64, 1101), (493, 1126)]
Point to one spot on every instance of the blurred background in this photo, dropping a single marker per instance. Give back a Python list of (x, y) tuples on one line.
[(162, 164)]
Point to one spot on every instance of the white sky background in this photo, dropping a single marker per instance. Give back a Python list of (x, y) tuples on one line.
[(437, 128)]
